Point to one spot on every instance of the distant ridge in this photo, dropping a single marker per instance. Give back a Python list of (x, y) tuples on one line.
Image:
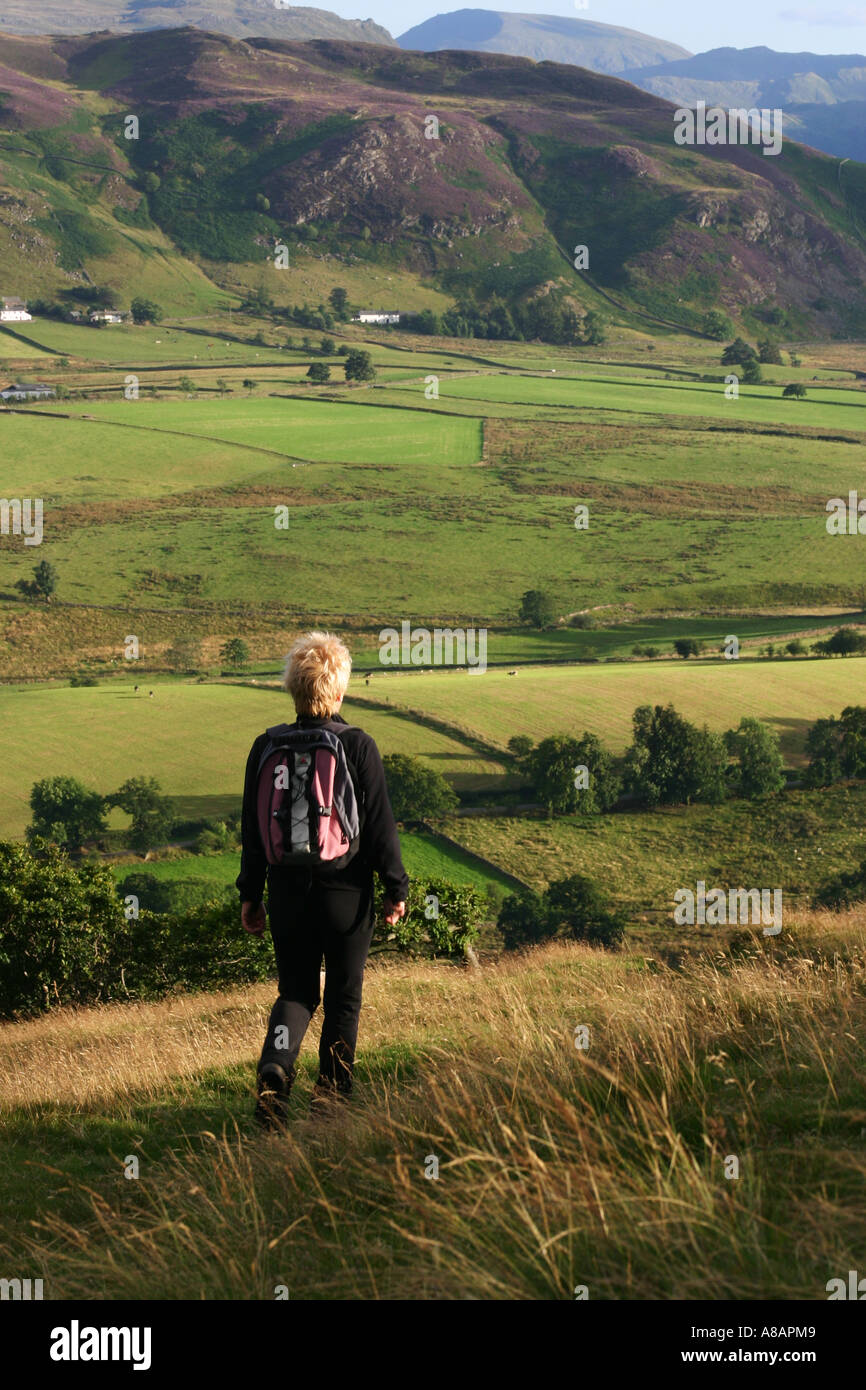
[(543, 37), (239, 18)]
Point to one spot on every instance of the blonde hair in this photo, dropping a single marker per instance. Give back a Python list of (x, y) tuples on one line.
[(317, 672)]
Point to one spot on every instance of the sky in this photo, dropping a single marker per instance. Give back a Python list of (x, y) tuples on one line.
[(789, 27)]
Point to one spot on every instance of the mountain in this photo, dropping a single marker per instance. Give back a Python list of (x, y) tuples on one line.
[(543, 37), (240, 18), (823, 96), (244, 144)]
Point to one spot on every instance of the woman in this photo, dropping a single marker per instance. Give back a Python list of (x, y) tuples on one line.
[(319, 911)]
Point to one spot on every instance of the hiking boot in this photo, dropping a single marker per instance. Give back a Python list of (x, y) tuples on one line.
[(274, 1086), (328, 1098)]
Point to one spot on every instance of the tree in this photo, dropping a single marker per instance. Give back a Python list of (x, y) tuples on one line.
[(750, 373), (573, 907), (795, 389), (717, 325), (687, 646), (796, 647), (263, 204), (556, 768), (235, 652), (65, 812), (578, 908), (151, 812), (672, 761), (187, 384), (837, 747), (359, 366), (319, 373), (150, 182), (222, 385), (520, 745), (60, 926), (759, 771), (522, 919), (768, 351), (184, 654), (536, 608), (43, 584), (739, 351), (416, 791), (843, 890), (846, 641), (145, 311), (339, 302), (327, 347), (593, 327), (249, 385)]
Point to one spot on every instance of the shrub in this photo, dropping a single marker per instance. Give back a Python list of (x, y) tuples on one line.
[(442, 920), (416, 790), (572, 907), (553, 766), (843, 891), (65, 812), (759, 771), (672, 761), (522, 919), (577, 907), (151, 812), (837, 747), (60, 926), (537, 609)]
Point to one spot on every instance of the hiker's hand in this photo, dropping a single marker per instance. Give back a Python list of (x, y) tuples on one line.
[(253, 918), (393, 912)]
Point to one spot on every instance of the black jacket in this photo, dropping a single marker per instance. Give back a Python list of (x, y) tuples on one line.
[(380, 846)]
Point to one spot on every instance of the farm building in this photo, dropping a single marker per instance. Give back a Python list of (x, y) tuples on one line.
[(14, 310), (27, 391), (106, 316), (375, 316)]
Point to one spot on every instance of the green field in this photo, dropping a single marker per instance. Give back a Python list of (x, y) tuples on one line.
[(705, 506), (194, 739), (424, 856), (788, 695), (794, 841), (762, 404), (306, 429)]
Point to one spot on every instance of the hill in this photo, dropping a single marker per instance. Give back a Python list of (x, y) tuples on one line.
[(241, 18), (247, 144), (823, 95), (600, 47)]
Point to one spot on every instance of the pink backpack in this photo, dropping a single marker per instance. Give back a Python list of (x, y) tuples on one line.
[(309, 811)]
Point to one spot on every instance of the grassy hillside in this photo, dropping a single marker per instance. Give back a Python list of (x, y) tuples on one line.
[(558, 1167), (790, 695), (246, 145), (102, 725), (443, 509), (793, 842)]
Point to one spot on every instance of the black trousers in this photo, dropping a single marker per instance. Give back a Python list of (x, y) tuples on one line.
[(306, 925)]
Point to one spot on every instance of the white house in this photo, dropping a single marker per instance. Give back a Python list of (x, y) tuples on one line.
[(375, 316), (106, 316), (14, 310), (27, 391)]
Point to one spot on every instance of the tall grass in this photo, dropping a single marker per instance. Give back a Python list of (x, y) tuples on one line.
[(558, 1167)]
